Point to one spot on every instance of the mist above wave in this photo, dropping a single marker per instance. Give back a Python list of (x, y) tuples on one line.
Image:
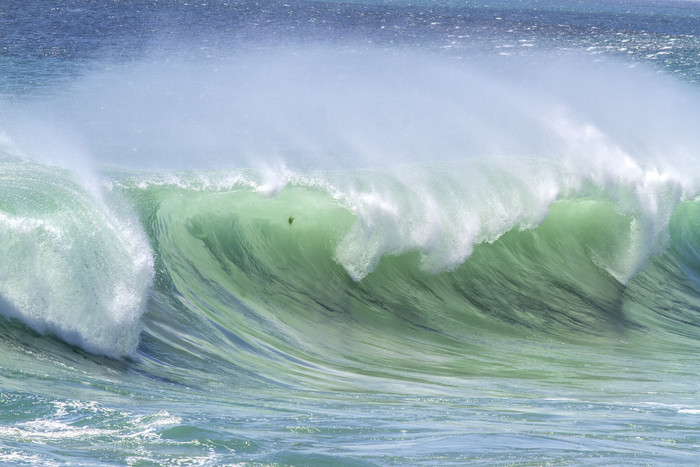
[(318, 107)]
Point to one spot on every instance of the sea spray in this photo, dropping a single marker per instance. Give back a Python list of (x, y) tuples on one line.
[(317, 107)]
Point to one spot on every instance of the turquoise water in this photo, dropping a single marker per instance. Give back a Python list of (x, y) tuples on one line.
[(349, 233)]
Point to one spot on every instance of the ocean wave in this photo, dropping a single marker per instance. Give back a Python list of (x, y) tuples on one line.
[(449, 248)]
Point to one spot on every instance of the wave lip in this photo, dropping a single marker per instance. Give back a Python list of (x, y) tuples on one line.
[(70, 267)]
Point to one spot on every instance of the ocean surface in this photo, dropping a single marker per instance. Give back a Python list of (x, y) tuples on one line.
[(360, 233)]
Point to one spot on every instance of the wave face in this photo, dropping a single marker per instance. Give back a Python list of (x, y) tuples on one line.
[(582, 265), (367, 233)]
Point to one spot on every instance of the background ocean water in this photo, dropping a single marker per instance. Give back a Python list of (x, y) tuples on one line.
[(367, 233)]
